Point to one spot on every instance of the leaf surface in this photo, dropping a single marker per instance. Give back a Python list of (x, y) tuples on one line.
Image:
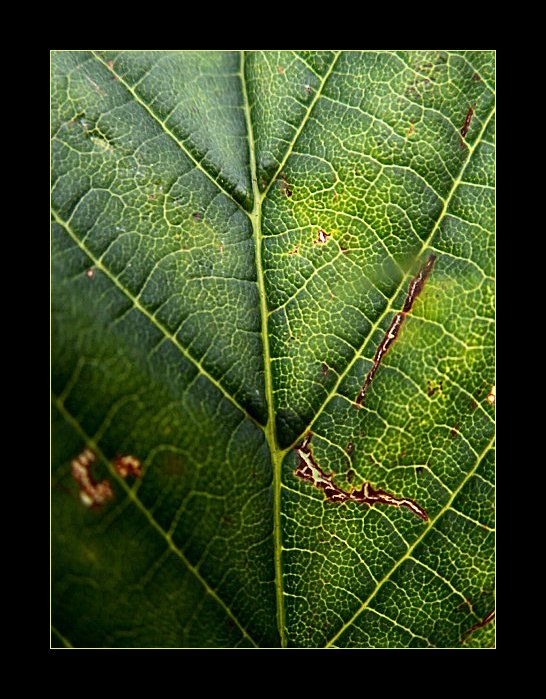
[(232, 236)]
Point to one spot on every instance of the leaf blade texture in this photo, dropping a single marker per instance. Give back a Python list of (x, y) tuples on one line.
[(232, 235)]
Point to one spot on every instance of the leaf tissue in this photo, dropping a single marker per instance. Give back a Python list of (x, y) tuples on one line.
[(273, 349)]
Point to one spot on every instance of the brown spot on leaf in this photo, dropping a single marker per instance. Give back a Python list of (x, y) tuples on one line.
[(467, 121), (90, 273), (294, 250), (128, 465), (324, 370), (492, 396), (92, 494), (197, 216), (284, 187)]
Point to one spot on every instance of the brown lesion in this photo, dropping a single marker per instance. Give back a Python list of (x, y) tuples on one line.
[(389, 338), (433, 387), (466, 126), (309, 470), (492, 396), (128, 465), (92, 494), (284, 187), (467, 122), (415, 287), (488, 618)]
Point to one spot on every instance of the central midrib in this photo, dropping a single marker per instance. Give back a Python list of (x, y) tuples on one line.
[(270, 428)]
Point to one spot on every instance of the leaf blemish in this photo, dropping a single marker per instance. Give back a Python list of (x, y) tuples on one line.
[(322, 237), (492, 396), (480, 625), (415, 287), (128, 465), (308, 469), (111, 66), (465, 127), (90, 273), (284, 186), (92, 494)]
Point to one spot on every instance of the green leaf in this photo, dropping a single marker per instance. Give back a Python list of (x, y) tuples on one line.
[(232, 236)]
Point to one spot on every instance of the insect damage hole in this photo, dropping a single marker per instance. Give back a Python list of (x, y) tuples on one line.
[(322, 237)]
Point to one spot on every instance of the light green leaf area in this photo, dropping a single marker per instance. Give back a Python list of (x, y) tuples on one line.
[(232, 235)]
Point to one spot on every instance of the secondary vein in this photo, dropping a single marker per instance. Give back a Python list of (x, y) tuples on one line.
[(97, 262), (168, 131), (408, 553), (92, 444), (403, 282)]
